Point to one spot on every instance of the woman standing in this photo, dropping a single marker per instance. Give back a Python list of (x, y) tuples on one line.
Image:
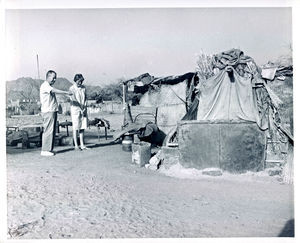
[(78, 110)]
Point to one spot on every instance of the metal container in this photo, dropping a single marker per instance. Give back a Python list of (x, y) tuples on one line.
[(127, 142), (141, 153)]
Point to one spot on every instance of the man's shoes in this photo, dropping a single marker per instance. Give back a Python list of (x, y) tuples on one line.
[(84, 148), (47, 153)]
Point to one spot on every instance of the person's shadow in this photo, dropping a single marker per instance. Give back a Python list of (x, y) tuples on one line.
[(288, 230)]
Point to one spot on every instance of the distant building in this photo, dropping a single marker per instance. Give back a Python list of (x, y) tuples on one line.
[(105, 106), (91, 102), (112, 106), (23, 107)]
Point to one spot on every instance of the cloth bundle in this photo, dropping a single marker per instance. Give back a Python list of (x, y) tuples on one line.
[(233, 57)]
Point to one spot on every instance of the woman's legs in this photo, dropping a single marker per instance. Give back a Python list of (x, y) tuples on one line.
[(81, 138), (75, 138), (81, 133)]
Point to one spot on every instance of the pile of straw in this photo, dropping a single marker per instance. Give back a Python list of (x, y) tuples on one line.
[(204, 66)]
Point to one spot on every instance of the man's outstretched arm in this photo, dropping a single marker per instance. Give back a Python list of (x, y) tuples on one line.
[(58, 91)]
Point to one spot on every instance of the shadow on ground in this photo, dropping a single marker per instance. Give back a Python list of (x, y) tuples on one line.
[(63, 149)]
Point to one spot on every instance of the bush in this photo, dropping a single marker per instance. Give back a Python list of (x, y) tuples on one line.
[(31, 112)]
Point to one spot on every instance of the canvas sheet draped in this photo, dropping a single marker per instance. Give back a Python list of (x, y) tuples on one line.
[(165, 95), (232, 57), (227, 98)]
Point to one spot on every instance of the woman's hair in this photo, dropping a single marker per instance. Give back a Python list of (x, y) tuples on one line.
[(78, 76)]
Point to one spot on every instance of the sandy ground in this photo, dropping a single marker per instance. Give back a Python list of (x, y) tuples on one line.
[(99, 193)]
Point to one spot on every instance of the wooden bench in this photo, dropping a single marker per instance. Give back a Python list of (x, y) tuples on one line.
[(67, 123)]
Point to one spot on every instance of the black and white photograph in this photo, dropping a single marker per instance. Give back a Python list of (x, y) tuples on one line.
[(138, 122)]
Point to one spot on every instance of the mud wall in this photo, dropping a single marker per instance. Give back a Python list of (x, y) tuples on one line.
[(235, 146)]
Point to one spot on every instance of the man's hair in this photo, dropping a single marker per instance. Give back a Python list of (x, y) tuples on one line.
[(50, 72)]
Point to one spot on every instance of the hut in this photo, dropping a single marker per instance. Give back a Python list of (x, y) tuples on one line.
[(167, 97), (223, 118)]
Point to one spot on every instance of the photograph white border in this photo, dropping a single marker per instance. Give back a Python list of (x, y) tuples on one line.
[(81, 4)]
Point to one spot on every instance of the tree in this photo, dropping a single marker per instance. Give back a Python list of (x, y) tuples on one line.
[(112, 92)]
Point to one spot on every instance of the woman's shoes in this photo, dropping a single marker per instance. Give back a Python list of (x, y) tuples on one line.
[(81, 148), (84, 148)]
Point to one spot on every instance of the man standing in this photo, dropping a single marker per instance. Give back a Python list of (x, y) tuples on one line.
[(49, 112)]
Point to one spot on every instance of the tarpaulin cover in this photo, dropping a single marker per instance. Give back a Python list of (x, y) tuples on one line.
[(169, 115), (232, 58), (268, 73), (228, 98), (165, 95)]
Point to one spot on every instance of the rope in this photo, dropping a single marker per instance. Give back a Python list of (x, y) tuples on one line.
[(178, 96)]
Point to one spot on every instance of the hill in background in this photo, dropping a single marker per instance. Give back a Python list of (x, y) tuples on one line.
[(28, 88)]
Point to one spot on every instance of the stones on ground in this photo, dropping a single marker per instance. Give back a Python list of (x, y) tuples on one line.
[(22, 229), (212, 172), (234, 215), (155, 161), (153, 167), (66, 235)]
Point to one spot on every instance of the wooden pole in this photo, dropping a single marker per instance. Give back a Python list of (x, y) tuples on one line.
[(124, 103), (38, 65)]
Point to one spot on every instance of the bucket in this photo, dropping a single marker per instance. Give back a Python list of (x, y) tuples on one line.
[(141, 153), (127, 142)]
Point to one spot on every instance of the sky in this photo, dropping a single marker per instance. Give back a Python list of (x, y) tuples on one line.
[(108, 44)]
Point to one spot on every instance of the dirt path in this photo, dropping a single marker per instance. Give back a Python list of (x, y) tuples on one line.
[(100, 194)]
